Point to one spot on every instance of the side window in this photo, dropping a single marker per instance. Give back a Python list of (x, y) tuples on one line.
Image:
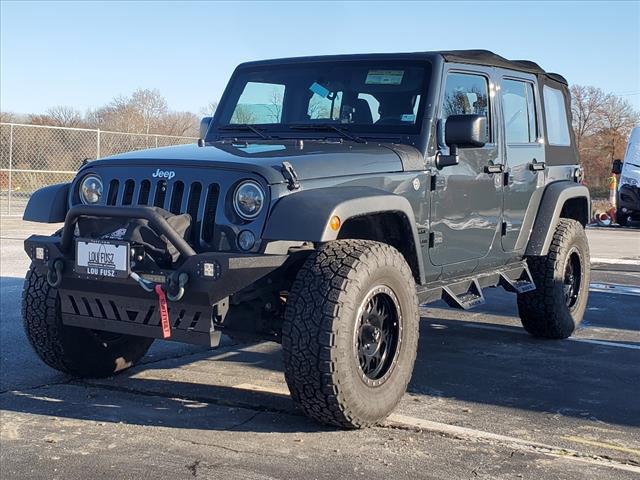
[(555, 115), (518, 108), (466, 94), (259, 103)]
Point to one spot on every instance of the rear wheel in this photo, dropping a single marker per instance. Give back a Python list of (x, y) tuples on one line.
[(556, 307), (350, 334), (77, 351)]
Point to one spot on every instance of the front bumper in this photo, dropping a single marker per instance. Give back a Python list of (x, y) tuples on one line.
[(122, 306)]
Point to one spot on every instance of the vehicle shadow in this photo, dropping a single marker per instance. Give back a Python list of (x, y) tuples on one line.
[(500, 368), (457, 360), (506, 367), (221, 408)]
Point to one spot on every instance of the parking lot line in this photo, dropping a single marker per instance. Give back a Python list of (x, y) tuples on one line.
[(465, 432), (457, 431), (594, 443), (615, 289), (573, 339), (615, 261), (259, 388)]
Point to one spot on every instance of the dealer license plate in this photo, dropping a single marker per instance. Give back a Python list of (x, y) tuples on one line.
[(102, 258)]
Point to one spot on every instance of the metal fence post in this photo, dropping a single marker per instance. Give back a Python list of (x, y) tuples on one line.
[(156, 141), (10, 169), (98, 145)]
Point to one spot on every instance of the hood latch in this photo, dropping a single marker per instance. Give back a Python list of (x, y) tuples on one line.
[(290, 176)]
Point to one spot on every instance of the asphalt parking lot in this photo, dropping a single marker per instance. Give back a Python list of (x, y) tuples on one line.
[(486, 400)]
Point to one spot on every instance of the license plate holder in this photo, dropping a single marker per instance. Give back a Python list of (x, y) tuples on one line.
[(102, 258)]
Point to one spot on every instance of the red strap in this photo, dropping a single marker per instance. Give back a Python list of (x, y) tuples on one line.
[(164, 312)]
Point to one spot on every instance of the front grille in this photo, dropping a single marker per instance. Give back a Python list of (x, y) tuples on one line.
[(198, 200)]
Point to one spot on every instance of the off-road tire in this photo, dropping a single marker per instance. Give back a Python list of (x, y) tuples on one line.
[(544, 311), (319, 332), (76, 351)]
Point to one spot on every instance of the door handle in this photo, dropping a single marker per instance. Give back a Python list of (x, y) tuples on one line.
[(536, 166), (494, 168)]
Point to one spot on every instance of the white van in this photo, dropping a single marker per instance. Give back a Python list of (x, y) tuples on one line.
[(629, 183)]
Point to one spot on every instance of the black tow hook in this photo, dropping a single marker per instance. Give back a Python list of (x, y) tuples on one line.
[(54, 274), (170, 286), (183, 278)]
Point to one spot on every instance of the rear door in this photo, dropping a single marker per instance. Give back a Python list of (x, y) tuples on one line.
[(525, 157), (466, 201)]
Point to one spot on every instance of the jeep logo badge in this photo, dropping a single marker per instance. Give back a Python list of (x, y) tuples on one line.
[(168, 174)]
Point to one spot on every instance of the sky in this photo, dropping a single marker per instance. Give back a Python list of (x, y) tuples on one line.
[(83, 54)]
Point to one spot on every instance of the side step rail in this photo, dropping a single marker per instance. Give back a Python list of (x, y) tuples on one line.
[(466, 292)]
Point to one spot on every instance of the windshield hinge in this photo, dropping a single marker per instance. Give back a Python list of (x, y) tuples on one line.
[(290, 176)]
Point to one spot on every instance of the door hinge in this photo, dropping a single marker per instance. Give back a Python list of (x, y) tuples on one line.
[(432, 182), (503, 229), (505, 178)]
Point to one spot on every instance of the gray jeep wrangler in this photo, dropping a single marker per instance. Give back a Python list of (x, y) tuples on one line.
[(326, 200)]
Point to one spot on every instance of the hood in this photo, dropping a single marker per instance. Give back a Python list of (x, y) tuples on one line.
[(311, 159)]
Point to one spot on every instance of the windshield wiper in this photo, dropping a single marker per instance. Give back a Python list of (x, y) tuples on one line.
[(325, 127), (246, 127)]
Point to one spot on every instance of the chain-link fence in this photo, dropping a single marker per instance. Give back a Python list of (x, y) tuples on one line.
[(33, 156)]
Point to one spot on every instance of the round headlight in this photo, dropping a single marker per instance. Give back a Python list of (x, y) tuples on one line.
[(248, 199), (91, 189)]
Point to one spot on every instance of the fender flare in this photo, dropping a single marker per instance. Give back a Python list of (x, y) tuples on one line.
[(48, 204), (305, 215), (553, 201)]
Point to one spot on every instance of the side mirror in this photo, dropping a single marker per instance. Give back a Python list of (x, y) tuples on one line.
[(616, 168), (462, 131), (204, 128)]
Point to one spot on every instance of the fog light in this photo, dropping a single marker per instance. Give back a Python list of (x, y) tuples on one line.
[(246, 240), (208, 269), (39, 253)]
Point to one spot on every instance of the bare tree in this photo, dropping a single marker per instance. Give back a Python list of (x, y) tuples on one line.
[(182, 124), (39, 119), (8, 117), (242, 114), (65, 116), (275, 106), (619, 118), (209, 109), (151, 106), (143, 112), (118, 115), (602, 123), (586, 108), (317, 109)]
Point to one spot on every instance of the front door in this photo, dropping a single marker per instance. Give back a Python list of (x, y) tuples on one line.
[(524, 157), (466, 202)]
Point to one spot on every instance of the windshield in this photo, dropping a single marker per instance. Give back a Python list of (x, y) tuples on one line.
[(360, 96)]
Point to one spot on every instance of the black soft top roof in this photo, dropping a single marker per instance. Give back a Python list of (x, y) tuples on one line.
[(475, 57), (485, 57)]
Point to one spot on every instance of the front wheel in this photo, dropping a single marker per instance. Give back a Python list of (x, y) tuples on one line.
[(77, 351), (350, 333), (622, 218), (556, 307)]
